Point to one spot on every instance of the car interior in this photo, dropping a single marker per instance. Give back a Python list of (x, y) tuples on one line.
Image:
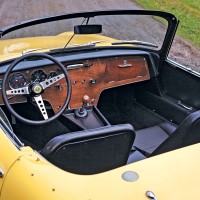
[(106, 107), (116, 116)]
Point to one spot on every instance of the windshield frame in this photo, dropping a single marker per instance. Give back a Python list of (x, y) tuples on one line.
[(163, 51)]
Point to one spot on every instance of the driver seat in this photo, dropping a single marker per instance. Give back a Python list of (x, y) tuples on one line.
[(91, 151)]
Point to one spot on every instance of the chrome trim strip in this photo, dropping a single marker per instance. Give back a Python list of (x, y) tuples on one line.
[(187, 69), (75, 66)]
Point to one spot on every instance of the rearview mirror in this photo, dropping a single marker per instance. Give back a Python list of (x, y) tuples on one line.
[(88, 29)]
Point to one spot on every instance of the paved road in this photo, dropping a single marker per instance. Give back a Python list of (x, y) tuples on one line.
[(13, 11)]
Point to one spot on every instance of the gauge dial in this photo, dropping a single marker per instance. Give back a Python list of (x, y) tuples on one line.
[(38, 76), (17, 80), (52, 74)]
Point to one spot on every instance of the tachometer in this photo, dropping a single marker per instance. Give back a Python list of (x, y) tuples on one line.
[(38, 76), (17, 80)]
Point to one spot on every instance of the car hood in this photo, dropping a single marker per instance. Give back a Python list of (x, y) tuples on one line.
[(13, 48)]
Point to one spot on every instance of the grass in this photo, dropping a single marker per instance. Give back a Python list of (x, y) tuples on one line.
[(187, 11)]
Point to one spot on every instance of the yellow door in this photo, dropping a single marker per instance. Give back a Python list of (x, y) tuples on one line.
[(8, 155)]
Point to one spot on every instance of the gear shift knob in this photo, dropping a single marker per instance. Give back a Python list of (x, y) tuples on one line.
[(85, 100), (82, 112)]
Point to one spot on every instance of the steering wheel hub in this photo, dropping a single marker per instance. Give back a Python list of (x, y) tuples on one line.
[(36, 89)]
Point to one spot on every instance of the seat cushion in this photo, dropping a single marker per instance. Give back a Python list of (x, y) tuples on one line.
[(169, 128), (149, 139), (186, 134)]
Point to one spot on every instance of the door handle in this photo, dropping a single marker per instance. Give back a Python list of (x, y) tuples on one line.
[(184, 106), (125, 65)]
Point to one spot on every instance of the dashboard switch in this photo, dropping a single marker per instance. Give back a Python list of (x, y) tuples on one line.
[(88, 64), (92, 81), (59, 87), (92, 101)]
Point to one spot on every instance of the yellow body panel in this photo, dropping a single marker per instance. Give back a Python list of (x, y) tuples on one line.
[(8, 155), (14, 47), (171, 176)]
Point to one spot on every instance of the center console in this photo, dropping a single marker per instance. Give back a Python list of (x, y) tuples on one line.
[(85, 117), (93, 119)]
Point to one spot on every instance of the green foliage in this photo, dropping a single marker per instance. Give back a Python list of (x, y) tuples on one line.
[(187, 11)]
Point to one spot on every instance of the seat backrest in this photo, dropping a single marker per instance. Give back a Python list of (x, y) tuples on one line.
[(186, 134), (91, 151)]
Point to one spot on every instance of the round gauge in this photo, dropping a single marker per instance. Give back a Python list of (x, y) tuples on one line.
[(52, 74), (17, 80), (38, 76)]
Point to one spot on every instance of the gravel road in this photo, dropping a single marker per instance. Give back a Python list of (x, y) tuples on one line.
[(13, 11)]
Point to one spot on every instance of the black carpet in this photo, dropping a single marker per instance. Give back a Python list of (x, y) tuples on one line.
[(37, 136), (134, 113)]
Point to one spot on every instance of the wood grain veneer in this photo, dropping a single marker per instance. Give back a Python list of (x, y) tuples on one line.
[(105, 72)]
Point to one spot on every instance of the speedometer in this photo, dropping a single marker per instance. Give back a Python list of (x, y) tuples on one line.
[(38, 76), (17, 80)]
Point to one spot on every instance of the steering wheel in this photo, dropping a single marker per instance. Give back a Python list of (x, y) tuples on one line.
[(35, 90)]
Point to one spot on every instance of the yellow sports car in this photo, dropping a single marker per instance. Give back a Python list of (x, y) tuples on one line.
[(93, 109)]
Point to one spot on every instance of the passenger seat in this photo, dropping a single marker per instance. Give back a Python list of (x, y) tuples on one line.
[(167, 137), (149, 139)]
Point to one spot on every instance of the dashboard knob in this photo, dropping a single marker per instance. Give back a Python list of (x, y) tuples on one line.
[(85, 100), (92, 81)]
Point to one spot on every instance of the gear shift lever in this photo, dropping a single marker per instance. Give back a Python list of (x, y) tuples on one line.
[(82, 112)]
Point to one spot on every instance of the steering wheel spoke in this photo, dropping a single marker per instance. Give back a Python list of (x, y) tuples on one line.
[(18, 91), (45, 84), (41, 106)]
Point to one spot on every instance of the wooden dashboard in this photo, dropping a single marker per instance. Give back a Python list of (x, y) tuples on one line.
[(88, 77)]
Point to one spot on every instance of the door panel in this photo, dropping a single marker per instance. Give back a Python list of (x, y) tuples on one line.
[(181, 85), (179, 94)]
